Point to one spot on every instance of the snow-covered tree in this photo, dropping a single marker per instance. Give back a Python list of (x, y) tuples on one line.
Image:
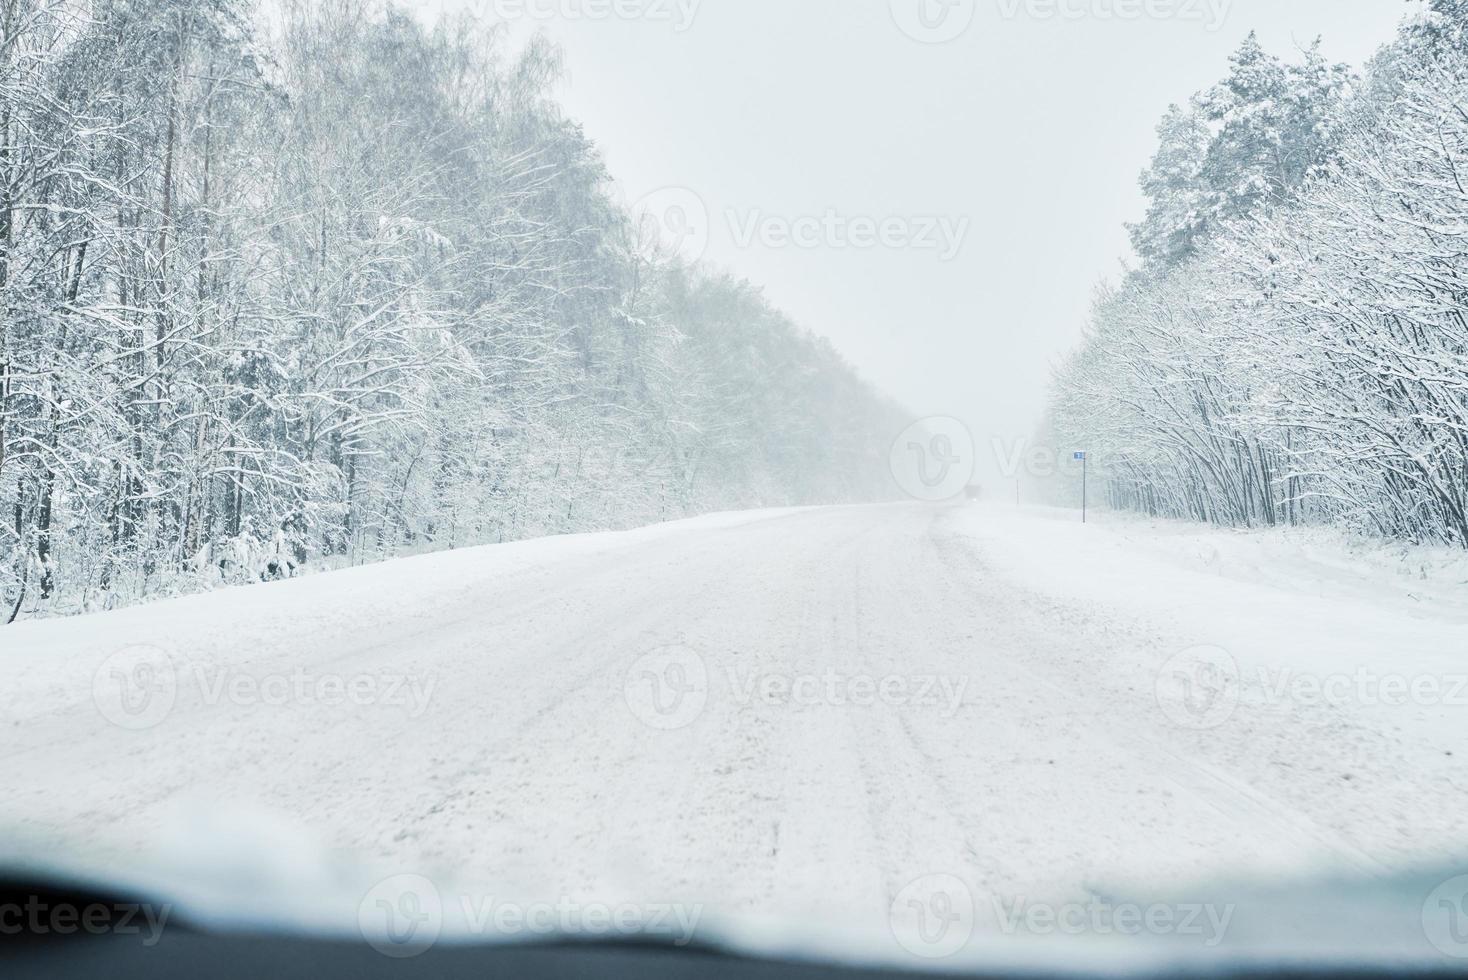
[(345, 289), (1305, 358)]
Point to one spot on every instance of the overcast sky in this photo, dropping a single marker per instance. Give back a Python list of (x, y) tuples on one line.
[(1025, 128)]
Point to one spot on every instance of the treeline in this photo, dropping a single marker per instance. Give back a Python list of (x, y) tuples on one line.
[(1294, 347), (331, 286)]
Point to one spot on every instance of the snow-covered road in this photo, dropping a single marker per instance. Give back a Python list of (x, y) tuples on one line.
[(792, 714)]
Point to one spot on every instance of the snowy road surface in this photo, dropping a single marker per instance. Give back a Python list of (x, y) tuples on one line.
[(794, 714)]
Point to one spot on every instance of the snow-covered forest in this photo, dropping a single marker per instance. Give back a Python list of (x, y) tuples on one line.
[(329, 286), (1294, 346)]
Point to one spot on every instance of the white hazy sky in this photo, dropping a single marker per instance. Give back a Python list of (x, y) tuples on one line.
[(1034, 128)]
